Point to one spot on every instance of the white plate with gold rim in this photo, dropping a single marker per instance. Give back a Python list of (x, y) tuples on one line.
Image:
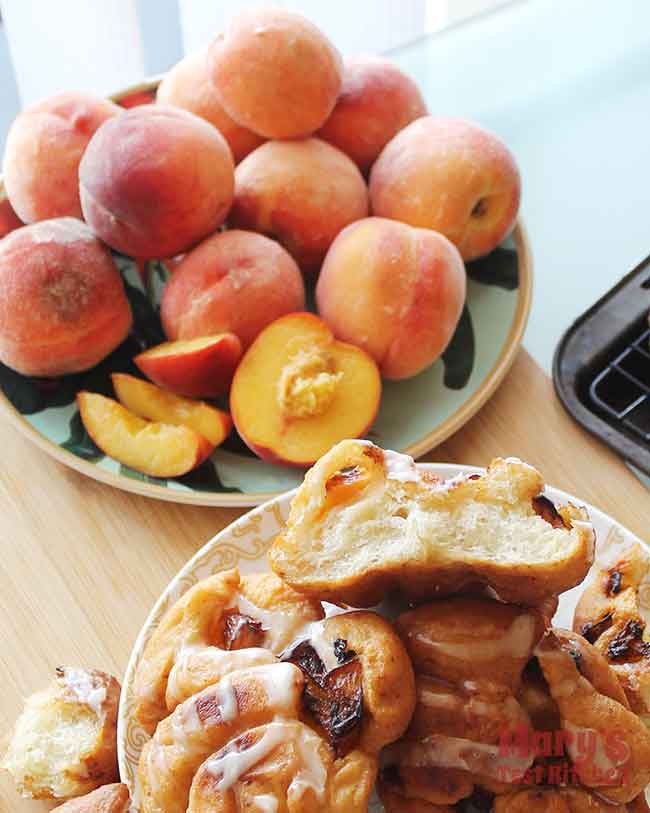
[(244, 544)]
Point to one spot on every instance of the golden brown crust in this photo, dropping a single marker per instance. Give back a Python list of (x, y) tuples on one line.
[(352, 783), (49, 716), (193, 630), (107, 799), (554, 800), (205, 723), (468, 655), (292, 768), (387, 679), (191, 615), (424, 564), (464, 638), (610, 747), (101, 764), (395, 802), (289, 761), (612, 614)]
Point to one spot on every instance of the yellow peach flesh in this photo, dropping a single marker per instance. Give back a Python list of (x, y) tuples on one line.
[(155, 404), (156, 449), (181, 346), (338, 397), (308, 382)]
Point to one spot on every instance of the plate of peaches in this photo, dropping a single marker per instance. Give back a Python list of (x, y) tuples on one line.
[(390, 636), (209, 280)]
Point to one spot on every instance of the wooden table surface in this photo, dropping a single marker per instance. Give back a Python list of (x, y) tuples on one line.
[(81, 563)]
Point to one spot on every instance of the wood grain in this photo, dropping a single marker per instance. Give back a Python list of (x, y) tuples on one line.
[(81, 563)]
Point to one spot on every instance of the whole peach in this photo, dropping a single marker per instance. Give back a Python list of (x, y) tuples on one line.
[(393, 290), (62, 301), (44, 147), (275, 73), (156, 180), (376, 101), (302, 193), (452, 176), (233, 282), (188, 85)]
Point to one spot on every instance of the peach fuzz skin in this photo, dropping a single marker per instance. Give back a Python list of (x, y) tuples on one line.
[(233, 282), (188, 85), (275, 73), (44, 147), (301, 193), (156, 180), (376, 101), (62, 301), (452, 176), (198, 368), (393, 290)]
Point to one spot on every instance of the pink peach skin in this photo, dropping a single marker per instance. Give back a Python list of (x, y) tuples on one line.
[(9, 220), (452, 176), (62, 301), (188, 85), (393, 290), (156, 180), (302, 193), (275, 73), (376, 101), (44, 147), (233, 282)]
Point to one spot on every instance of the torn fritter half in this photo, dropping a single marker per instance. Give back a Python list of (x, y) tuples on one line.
[(366, 521)]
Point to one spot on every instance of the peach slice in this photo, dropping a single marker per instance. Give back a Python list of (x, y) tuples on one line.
[(154, 404), (197, 368), (156, 449), (298, 391)]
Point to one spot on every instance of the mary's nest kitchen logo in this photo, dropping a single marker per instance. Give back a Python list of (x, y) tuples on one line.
[(570, 755)]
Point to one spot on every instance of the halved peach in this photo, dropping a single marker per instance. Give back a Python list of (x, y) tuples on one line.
[(298, 391), (149, 401), (156, 449), (197, 368)]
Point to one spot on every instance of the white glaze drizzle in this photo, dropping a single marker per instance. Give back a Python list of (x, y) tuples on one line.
[(85, 688), (517, 461), (323, 647), (400, 467), (441, 751), (450, 483), (186, 725), (612, 549), (198, 658), (588, 745), (279, 683), (265, 803), (314, 633), (233, 764), (277, 680), (227, 699), (514, 643), (332, 610), (281, 628)]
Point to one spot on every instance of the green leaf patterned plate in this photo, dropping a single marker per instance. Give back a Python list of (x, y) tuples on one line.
[(414, 416)]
